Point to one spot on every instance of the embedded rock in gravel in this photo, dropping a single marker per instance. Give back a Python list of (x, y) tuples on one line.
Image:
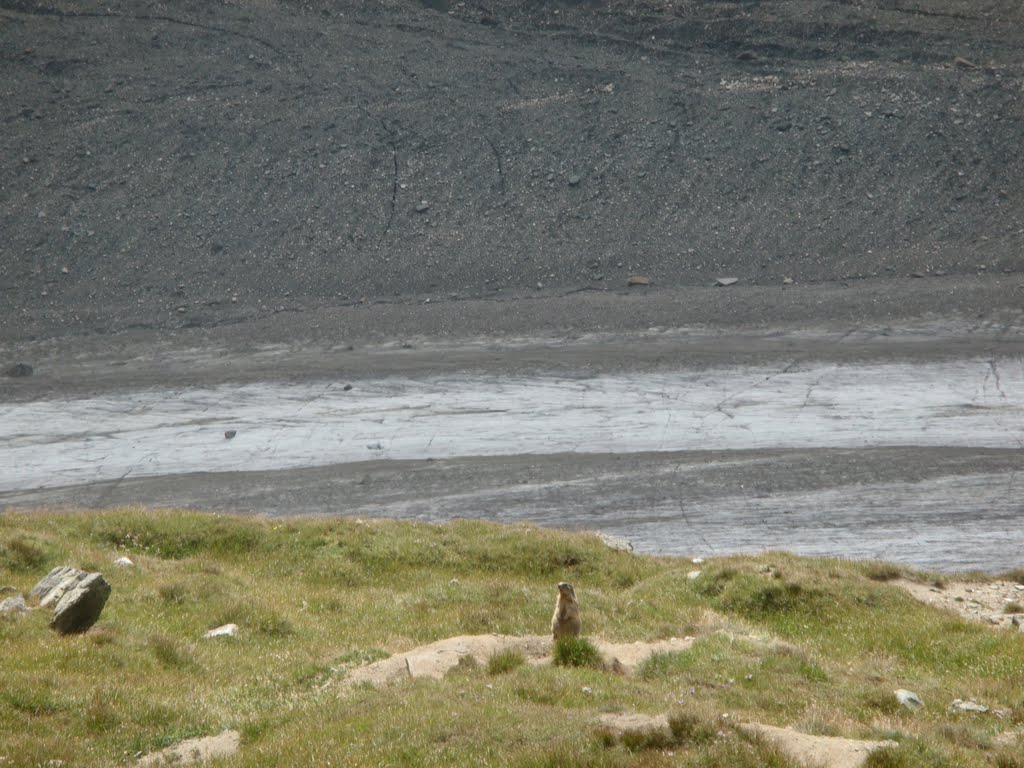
[(81, 605), (19, 370), (61, 577), (14, 605)]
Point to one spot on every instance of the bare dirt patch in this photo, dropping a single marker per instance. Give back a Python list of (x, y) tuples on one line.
[(999, 603), (831, 751), (625, 722), (195, 750)]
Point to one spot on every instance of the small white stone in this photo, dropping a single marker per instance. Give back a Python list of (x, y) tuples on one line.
[(967, 706), (124, 562), (228, 630), (908, 699)]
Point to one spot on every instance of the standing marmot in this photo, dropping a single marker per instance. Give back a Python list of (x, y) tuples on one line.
[(566, 621)]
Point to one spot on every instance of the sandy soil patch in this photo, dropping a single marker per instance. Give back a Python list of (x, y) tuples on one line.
[(830, 751), (435, 660), (627, 657), (625, 722), (999, 603), (195, 750)]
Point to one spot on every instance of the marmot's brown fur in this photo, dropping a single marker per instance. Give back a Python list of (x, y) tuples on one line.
[(566, 621)]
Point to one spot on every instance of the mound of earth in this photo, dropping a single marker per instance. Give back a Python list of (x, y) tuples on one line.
[(435, 660), (209, 161)]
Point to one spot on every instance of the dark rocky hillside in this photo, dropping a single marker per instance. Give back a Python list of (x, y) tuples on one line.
[(176, 163)]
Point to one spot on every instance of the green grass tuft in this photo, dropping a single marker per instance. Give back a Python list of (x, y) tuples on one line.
[(648, 738), (688, 728), (909, 754), (101, 715), (172, 593), (20, 554), (167, 651), (665, 664), (505, 661), (576, 652), (37, 703), (1017, 575), (883, 571)]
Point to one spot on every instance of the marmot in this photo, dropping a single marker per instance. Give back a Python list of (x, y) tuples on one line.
[(566, 621)]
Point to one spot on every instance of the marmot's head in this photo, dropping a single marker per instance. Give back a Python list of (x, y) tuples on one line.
[(566, 591)]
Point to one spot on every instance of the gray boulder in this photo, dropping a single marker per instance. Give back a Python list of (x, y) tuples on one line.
[(53, 579), (54, 596), (81, 605), (13, 605)]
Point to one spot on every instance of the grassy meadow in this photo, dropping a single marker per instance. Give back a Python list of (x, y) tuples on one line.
[(812, 643)]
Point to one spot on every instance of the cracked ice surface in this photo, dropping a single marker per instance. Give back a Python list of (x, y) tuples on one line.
[(963, 403)]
